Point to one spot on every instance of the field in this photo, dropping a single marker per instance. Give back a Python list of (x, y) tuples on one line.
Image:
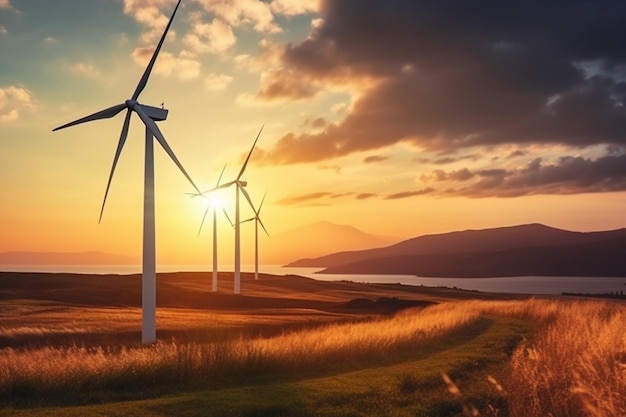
[(292, 346)]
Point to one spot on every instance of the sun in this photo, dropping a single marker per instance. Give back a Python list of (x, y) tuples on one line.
[(215, 201)]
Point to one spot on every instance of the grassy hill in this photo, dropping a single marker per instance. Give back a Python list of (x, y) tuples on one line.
[(291, 346)]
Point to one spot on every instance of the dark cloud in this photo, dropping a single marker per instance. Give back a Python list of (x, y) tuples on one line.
[(318, 123), (339, 195), (375, 158), (283, 84), (406, 194), (456, 74), (450, 159), (439, 175), (516, 154), (568, 175)]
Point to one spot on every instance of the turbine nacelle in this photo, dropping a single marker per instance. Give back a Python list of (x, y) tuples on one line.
[(155, 113)]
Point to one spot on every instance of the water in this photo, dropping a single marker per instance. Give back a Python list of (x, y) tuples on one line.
[(516, 285)]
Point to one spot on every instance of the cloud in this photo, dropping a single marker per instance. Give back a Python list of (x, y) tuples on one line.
[(215, 37), (184, 66), (365, 196), (281, 84), (566, 175), (294, 7), (269, 55), (9, 116), (440, 175), (240, 13), (5, 4), (318, 122), (406, 194), (451, 75), (517, 153), (84, 69), (3, 30), (148, 13), (13, 100), (217, 82), (50, 40), (452, 159), (375, 158)]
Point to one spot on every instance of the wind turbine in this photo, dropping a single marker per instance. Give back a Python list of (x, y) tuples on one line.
[(257, 221), (214, 281), (239, 186), (148, 115)]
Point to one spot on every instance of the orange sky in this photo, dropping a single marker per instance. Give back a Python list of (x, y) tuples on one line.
[(392, 117)]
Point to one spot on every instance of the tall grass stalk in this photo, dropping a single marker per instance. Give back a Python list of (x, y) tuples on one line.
[(576, 367)]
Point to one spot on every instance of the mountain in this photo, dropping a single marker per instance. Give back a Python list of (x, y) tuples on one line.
[(64, 258), (316, 239), (532, 249)]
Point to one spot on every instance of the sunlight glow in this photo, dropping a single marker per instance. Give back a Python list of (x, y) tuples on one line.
[(214, 201)]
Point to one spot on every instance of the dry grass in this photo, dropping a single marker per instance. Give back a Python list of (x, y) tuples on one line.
[(52, 371), (576, 367)]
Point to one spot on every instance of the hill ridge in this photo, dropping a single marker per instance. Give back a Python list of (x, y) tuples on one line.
[(523, 243)]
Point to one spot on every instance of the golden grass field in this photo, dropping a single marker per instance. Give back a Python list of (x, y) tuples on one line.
[(303, 347)]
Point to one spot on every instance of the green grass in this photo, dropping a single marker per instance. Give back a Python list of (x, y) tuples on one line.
[(403, 384)]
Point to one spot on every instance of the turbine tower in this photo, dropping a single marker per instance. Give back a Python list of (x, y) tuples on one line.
[(257, 221), (148, 115), (214, 280), (239, 187)]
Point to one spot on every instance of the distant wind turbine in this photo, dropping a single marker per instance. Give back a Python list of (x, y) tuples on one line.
[(257, 221), (214, 281), (239, 187), (148, 115)]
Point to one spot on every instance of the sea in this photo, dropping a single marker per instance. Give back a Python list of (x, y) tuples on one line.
[(515, 285)]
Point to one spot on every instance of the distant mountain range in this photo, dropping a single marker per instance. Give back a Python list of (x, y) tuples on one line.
[(532, 249), (64, 258), (316, 239)]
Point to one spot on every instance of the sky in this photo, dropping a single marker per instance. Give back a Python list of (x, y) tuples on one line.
[(400, 118)]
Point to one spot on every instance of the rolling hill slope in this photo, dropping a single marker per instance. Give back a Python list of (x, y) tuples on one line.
[(532, 249)]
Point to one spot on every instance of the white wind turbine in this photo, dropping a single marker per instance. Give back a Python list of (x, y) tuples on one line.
[(239, 186), (257, 221), (214, 281), (148, 115)]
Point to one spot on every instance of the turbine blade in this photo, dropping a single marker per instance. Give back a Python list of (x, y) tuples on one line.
[(243, 168), (245, 193), (248, 220), (152, 126), (118, 151), (228, 184), (263, 226), (261, 205), (220, 178), (226, 214), (202, 222), (144, 78), (102, 114)]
